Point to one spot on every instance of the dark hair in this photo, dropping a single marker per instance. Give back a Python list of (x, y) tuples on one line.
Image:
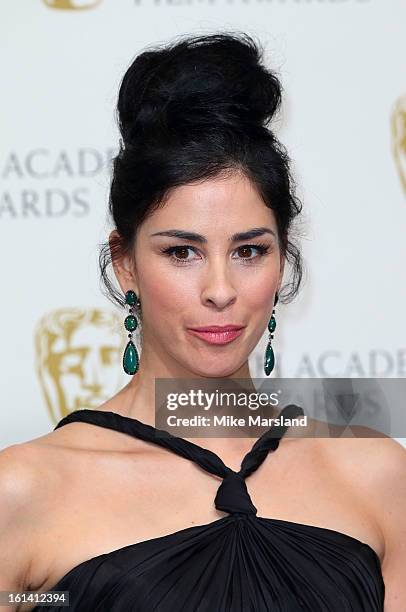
[(191, 110)]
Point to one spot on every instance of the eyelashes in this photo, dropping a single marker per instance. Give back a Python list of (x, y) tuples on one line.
[(262, 249)]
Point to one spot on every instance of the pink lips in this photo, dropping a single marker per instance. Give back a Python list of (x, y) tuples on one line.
[(217, 334)]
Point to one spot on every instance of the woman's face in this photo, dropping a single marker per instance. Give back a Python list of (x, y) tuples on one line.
[(209, 278)]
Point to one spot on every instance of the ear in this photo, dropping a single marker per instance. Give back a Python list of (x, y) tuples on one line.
[(123, 265)]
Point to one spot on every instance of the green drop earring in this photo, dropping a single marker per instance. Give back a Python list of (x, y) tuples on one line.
[(269, 360), (130, 358)]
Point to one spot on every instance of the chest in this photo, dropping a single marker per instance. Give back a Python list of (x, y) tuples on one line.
[(111, 500)]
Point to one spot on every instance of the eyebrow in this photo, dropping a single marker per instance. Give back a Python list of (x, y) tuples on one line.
[(248, 235)]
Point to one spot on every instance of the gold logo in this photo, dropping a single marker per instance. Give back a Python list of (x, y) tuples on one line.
[(78, 356), (72, 5), (398, 128)]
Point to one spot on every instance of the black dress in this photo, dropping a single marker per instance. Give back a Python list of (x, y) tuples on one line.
[(238, 563)]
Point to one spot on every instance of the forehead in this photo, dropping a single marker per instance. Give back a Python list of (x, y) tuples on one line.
[(224, 203)]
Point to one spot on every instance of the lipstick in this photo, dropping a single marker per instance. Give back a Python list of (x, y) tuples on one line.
[(217, 334)]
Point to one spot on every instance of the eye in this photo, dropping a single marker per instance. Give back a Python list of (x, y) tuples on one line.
[(181, 252), (246, 250)]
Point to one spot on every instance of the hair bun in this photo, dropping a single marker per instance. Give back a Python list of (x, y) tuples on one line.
[(200, 83)]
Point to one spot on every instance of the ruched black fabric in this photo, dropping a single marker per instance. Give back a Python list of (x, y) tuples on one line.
[(238, 563)]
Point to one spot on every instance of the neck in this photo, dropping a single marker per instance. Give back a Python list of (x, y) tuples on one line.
[(137, 400)]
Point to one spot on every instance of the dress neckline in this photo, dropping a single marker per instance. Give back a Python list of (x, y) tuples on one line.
[(232, 495), (207, 459), (311, 531)]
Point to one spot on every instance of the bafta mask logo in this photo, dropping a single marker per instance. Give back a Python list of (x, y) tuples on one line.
[(71, 5), (78, 358), (398, 128)]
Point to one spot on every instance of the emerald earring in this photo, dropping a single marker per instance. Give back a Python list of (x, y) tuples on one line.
[(269, 361), (130, 357)]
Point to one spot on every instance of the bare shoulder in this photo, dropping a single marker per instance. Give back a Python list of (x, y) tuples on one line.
[(24, 470), (383, 466), (35, 470), (373, 463), (20, 485), (26, 475), (22, 474), (375, 468)]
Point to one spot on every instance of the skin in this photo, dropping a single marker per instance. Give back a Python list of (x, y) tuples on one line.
[(77, 484)]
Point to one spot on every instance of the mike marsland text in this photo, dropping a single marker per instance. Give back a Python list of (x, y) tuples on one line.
[(233, 421)]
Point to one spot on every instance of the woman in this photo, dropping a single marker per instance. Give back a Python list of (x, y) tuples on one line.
[(203, 203)]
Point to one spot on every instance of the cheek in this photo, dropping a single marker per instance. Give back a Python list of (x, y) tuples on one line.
[(258, 291), (166, 291), (259, 297)]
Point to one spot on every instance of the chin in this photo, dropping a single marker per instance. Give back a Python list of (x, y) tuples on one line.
[(217, 373)]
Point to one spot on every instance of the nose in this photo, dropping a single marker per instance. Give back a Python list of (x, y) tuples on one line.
[(218, 289)]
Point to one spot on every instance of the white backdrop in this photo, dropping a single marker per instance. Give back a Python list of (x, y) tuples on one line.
[(343, 69)]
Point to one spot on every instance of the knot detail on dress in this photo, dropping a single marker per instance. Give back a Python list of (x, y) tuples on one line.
[(232, 495)]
